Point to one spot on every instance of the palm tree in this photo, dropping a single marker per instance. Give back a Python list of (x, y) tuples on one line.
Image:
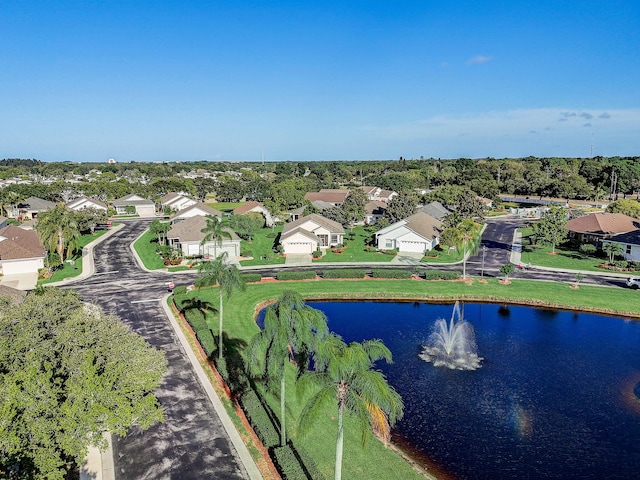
[(59, 231), (468, 229), (159, 229), (612, 249), (228, 278), (291, 331), (345, 373), (214, 230)]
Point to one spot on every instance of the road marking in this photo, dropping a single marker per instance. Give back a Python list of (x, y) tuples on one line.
[(107, 273), (147, 301)]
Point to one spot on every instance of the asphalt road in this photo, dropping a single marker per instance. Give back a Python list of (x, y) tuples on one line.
[(192, 443)]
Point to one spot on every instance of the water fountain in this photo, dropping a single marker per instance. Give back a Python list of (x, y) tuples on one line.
[(452, 345)]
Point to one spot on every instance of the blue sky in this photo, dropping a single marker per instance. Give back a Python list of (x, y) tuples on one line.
[(323, 80)]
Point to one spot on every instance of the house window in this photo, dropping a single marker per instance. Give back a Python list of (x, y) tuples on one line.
[(628, 249), (389, 243), (334, 239)]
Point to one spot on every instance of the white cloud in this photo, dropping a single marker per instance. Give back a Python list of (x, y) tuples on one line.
[(479, 59), (511, 133)]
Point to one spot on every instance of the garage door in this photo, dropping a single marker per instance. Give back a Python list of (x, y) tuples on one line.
[(417, 247), (298, 247), (193, 249)]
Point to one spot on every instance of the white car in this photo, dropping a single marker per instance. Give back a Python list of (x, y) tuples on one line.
[(633, 282)]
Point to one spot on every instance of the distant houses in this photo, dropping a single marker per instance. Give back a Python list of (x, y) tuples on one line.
[(134, 205)]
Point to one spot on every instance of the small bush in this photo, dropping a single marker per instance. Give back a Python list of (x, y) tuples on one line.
[(296, 275), (382, 273), (621, 264), (441, 275), (588, 249), (245, 252), (317, 253), (259, 419), (344, 273), (251, 277), (390, 252), (180, 290)]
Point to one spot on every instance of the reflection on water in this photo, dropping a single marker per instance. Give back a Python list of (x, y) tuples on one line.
[(552, 399)]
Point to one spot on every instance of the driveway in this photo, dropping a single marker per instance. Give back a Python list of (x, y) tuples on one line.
[(193, 442)]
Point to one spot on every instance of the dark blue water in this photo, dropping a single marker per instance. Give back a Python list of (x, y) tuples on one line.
[(553, 399)]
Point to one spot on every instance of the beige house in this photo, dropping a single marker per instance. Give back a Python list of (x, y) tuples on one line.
[(187, 237), (142, 206), (176, 201), (309, 233), (418, 233), (597, 226), (21, 256)]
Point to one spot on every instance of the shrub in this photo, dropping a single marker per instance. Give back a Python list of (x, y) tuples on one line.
[(588, 249), (290, 466), (206, 340), (382, 273), (245, 252), (621, 263), (317, 253), (259, 419), (271, 235), (441, 275), (390, 252), (296, 275), (180, 290), (344, 273), (251, 277)]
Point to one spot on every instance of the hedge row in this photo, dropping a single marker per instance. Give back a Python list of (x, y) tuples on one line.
[(441, 275), (260, 419), (344, 273), (296, 275), (382, 273), (294, 466), (198, 323), (251, 277)]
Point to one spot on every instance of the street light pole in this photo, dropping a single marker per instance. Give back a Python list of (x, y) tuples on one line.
[(484, 250)]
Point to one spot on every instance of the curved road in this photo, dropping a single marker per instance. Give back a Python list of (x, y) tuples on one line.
[(192, 443)]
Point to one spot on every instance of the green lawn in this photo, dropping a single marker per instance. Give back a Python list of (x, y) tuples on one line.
[(355, 249), (225, 206), (240, 327), (563, 258), (70, 270), (146, 246), (441, 256), (261, 248)]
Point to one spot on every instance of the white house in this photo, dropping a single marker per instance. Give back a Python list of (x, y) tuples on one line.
[(378, 194), (630, 243), (141, 206), (418, 233), (197, 210), (21, 256), (309, 233), (176, 201), (187, 236), (374, 210), (81, 203)]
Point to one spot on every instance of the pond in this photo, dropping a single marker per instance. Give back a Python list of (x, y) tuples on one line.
[(554, 397)]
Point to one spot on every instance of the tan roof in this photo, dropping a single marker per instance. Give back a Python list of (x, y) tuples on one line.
[(78, 200), (331, 225), (19, 243), (424, 225), (247, 207), (603, 224), (190, 230), (375, 206), (169, 196), (327, 195), (204, 207)]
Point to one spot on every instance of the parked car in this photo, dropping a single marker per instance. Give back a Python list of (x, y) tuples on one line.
[(633, 282)]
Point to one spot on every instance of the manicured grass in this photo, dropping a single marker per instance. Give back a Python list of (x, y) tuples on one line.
[(563, 258), (375, 461), (441, 256), (225, 206), (73, 270), (355, 249), (146, 247), (261, 248)]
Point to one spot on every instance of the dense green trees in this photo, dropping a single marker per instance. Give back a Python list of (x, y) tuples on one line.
[(625, 206), (552, 226), (59, 231), (68, 373)]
